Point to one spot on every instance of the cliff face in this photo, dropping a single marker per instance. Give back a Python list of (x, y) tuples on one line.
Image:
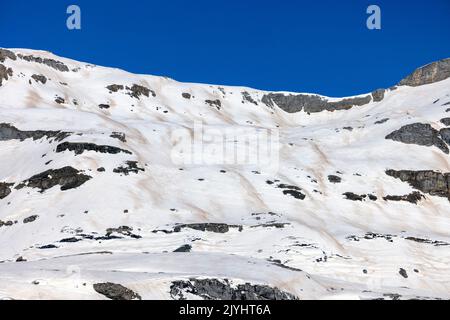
[(105, 191), (433, 72)]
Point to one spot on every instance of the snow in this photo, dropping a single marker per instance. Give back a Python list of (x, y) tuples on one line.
[(315, 238)]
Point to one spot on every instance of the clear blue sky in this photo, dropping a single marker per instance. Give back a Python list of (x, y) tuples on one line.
[(307, 46)]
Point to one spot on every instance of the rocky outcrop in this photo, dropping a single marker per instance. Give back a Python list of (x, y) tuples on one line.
[(5, 73), (30, 219), (115, 291), (9, 132), (413, 197), (209, 227), (81, 147), (5, 189), (135, 91), (4, 54), (247, 97), (378, 95), (57, 65), (334, 179), (67, 178), (130, 167), (119, 136), (427, 181), (446, 121), (419, 134), (214, 289), (186, 95), (214, 103), (433, 72), (311, 103), (184, 248), (445, 135), (39, 78)]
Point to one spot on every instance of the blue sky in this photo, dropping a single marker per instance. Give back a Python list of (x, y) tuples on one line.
[(305, 46)]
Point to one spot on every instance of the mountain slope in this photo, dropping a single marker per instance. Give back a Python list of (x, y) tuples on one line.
[(98, 186)]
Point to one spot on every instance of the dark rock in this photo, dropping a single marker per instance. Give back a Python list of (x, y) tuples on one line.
[(419, 134), (57, 65), (48, 246), (67, 178), (348, 128), (101, 169), (5, 73), (311, 103), (115, 87), (427, 241), (70, 240), (413, 197), (30, 219), (185, 248), (7, 54), (214, 289), (354, 197), (334, 179), (21, 259), (81, 147), (104, 106), (445, 135), (186, 95), (296, 194), (9, 132), (119, 136), (382, 121), (6, 223), (136, 91), (131, 167), (427, 181), (433, 72), (39, 78), (116, 291), (60, 100), (446, 121), (209, 227), (5, 189), (123, 230), (247, 97), (378, 95), (372, 197), (214, 103), (403, 273)]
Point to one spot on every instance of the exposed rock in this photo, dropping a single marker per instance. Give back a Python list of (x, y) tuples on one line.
[(186, 95), (311, 103), (119, 136), (116, 291), (209, 227), (5, 73), (184, 248), (293, 191), (39, 78), (354, 197), (214, 103), (247, 97), (136, 91), (104, 106), (427, 181), (60, 100), (7, 223), (81, 147), (382, 121), (428, 241), (446, 121), (214, 289), (445, 135), (57, 65), (378, 95), (7, 54), (5, 189), (433, 72), (413, 197), (131, 166), (334, 179), (403, 273), (30, 219), (67, 178), (9, 132), (419, 134), (123, 230)]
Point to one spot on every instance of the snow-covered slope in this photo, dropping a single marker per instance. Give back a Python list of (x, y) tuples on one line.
[(96, 190)]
